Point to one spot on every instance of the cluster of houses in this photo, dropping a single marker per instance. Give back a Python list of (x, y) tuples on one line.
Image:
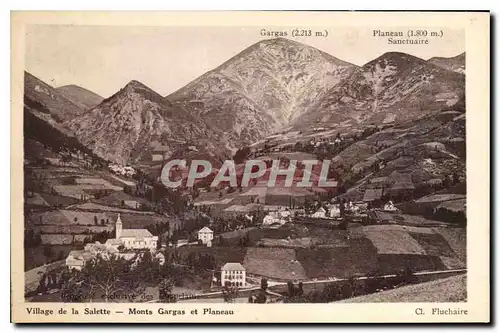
[(126, 239), (141, 239), (318, 141), (276, 219), (124, 244), (122, 170)]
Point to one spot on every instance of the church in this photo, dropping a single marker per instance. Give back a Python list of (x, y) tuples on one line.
[(136, 239)]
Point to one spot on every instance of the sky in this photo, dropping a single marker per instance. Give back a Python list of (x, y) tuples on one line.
[(103, 59)]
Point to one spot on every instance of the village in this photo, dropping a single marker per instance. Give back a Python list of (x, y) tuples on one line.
[(234, 240), (242, 247)]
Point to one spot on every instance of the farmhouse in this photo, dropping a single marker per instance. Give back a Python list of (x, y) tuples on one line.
[(206, 236), (122, 170), (76, 259), (134, 238), (272, 218), (234, 274), (320, 213), (389, 207), (334, 210)]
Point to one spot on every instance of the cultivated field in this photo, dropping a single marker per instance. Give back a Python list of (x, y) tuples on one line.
[(90, 206), (359, 257), (277, 263), (221, 254)]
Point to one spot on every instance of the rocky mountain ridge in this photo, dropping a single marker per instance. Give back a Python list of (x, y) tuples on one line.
[(262, 88), (394, 87), (456, 64), (122, 127), (274, 85)]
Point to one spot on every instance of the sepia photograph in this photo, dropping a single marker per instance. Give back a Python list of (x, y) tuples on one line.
[(195, 164)]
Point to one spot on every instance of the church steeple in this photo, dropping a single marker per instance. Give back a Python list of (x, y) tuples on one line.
[(118, 227)]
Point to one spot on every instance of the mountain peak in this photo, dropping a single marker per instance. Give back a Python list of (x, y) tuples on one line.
[(261, 89), (282, 40), (45, 98), (280, 49), (394, 59), (399, 56), (80, 96), (141, 89), (135, 85)]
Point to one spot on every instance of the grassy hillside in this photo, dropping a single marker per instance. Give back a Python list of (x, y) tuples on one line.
[(452, 289)]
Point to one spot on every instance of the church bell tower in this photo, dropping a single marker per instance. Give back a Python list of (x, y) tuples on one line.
[(118, 227)]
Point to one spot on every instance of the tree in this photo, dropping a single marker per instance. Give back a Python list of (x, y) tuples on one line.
[(72, 292), (263, 284), (406, 276), (47, 251), (148, 268), (308, 207), (230, 292), (165, 291), (346, 290), (241, 155), (447, 182), (291, 289), (261, 297), (244, 240), (41, 284), (331, 292), (300, 290), (109, 279), (342, 208)]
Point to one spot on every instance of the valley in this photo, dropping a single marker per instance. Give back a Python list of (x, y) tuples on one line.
[(393, 131)]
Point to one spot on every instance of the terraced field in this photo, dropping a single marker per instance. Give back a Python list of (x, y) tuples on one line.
[(359, 257), (360, 251)]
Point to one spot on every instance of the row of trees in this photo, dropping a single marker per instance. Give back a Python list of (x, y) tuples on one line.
[(331, 292), (230, 293), (349, 288), (118, 278), (31, 238), (51, 280)]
